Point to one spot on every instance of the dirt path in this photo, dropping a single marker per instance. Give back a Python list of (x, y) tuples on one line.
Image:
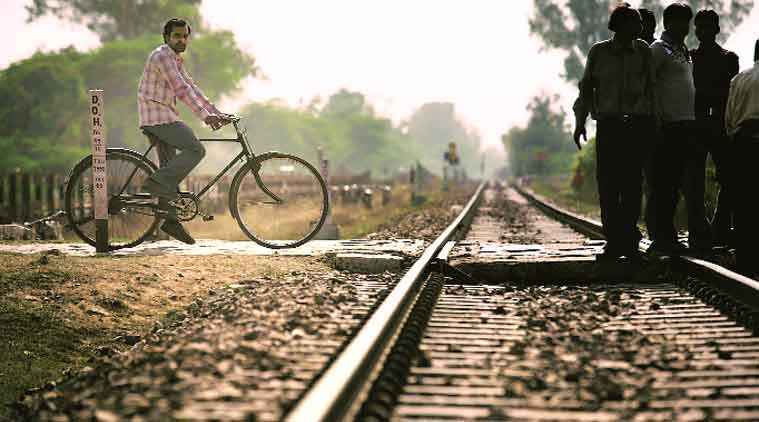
[(60, 312)]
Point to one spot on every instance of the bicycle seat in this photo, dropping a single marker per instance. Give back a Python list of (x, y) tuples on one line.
[(151, 138)]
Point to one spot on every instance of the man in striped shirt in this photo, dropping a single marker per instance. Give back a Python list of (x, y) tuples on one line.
[(165, 79)]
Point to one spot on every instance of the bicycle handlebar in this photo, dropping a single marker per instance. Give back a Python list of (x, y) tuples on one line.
[(231, 117)]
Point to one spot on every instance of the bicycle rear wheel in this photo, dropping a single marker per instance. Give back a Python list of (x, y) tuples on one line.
[(128, 225), (282, 205)]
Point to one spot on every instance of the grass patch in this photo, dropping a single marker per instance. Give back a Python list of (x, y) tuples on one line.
[(565, 197), (36, 344), (353, 219), (356, 221)]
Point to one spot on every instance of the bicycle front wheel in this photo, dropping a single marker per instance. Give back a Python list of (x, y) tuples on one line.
[(129, 221), (281, 205)]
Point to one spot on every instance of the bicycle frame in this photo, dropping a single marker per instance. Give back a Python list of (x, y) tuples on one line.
[(246, 153)]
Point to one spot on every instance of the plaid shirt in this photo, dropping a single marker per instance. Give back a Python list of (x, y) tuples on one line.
[(163, 80)]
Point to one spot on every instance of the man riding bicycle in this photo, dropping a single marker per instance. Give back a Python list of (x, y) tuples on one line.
[(165, 79)]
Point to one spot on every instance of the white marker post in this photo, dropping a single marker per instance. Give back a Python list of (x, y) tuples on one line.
[(99, 175)]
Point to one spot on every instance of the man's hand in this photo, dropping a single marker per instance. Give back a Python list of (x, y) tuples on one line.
[(580, 132), (216, 121)]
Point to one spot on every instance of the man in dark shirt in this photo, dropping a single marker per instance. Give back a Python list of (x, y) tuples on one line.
[(713, 68), (617, 89)]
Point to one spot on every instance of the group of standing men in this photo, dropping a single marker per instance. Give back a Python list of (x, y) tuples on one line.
[(660, 110)]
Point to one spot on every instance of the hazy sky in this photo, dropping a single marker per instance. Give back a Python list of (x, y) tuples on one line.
[(400, 53)]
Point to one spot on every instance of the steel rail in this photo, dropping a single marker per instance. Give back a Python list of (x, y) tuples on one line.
[(334, 395), (729, 281)]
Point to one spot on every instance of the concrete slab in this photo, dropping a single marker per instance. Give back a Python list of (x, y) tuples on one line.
[(504, 262), (396, 248), (518, 243), (368, 263)]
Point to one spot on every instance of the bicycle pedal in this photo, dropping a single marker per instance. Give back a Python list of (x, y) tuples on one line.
[(207, 218), (185, 194)]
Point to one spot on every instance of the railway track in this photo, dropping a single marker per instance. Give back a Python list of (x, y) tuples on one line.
[(445, 346)]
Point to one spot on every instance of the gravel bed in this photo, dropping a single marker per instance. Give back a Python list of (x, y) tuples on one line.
[(246, 352), (521, 222), (518, 219), (606, 352), (430, 221)]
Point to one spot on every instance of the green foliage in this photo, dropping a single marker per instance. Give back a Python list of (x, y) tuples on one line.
[(731, 13), (42, 112), (345, 103), (39, 95), (433, 126), (353, 138), (116, 68), (118, 19), (272, 127), (39, 154), (217, 63), (573, 26), (43, 99), (544, 146), (584, 186), (584, 173)]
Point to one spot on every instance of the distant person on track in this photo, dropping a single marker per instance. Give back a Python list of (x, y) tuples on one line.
[(742, 127), (678, 153), (617, 91), (713, 68), (165, 79)]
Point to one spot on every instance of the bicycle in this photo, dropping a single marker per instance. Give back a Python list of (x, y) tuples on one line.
[(279, 200)]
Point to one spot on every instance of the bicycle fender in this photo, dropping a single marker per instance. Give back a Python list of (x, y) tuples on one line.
[(248, 166)]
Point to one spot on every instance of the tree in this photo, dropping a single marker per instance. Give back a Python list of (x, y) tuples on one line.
[(42, 112), (433, 126), (43, 104), (346, 128), (573, 26), (118, 19), (40, 96), (346, 103), (43, 108), (545, 145)]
